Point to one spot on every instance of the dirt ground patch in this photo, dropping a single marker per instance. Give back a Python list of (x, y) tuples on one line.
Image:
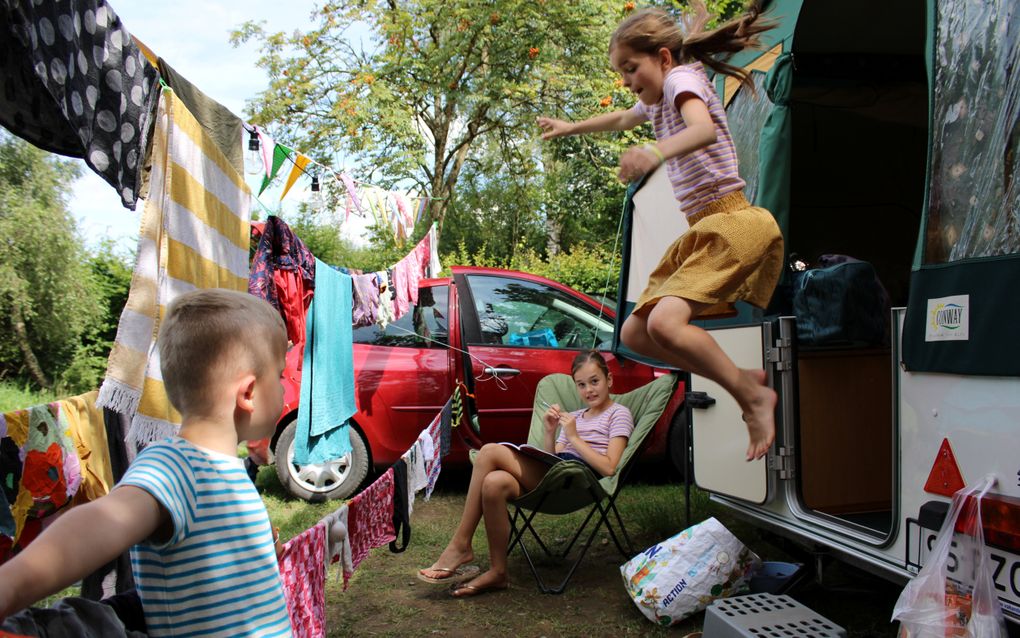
[(386, 599)]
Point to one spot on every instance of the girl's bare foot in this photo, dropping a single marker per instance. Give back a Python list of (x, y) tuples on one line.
[(759, 413), (448, 563)]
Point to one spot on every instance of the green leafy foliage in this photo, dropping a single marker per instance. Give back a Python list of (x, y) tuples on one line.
[(413, 88), (60, 305), (589, 268)]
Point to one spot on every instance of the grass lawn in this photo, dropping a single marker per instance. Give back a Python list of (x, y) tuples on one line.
[(386, 599)]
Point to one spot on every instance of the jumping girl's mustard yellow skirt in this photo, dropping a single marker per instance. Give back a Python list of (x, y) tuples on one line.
[(732, 252)]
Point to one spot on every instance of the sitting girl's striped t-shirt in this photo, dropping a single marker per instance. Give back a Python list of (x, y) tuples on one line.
[(217, 575), (596, 431)]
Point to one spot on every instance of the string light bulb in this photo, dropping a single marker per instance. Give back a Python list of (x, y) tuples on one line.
[(253, 159), (315, 201)]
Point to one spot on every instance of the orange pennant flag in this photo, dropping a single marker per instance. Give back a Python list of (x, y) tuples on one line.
[(299, 167)]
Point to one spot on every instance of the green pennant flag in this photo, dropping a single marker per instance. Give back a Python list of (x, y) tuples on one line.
[(280, 153)]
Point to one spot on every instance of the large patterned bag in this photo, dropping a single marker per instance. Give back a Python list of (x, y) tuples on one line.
[(682, 575)]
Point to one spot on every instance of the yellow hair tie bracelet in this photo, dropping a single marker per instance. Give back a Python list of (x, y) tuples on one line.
[(654, 150)]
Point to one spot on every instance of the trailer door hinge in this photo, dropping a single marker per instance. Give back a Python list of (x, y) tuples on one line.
[(780, 354), (783, 462)]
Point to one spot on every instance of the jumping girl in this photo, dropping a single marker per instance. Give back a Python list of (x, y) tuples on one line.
[(732, 251), (596, 435)]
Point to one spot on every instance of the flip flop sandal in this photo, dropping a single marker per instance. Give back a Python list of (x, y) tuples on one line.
[(467, 591), (461, 573)]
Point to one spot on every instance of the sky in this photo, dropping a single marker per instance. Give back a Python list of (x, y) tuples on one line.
[(193, 36)]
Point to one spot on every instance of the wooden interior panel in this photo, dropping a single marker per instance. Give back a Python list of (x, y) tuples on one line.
[(845, 456)]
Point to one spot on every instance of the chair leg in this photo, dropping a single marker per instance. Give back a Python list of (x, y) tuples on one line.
[(559, 589)]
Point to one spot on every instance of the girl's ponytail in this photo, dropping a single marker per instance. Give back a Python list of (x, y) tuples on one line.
[(732, 37)]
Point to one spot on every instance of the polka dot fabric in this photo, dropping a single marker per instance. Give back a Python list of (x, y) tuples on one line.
[(74, 83)]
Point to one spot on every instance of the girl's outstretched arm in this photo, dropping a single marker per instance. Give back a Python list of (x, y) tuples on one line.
[(615, 121)]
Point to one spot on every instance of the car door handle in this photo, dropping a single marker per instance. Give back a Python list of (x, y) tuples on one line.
[(502, 372), (699, 400)]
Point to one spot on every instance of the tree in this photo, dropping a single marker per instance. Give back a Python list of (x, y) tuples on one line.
[(434, 80), (47, 291)]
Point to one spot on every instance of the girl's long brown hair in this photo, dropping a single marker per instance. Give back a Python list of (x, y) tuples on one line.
[(649, 30)]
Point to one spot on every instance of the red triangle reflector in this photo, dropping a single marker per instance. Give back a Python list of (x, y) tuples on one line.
[(945, 477)]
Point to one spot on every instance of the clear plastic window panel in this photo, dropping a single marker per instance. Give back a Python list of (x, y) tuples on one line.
[(974, 198), (746, 117)]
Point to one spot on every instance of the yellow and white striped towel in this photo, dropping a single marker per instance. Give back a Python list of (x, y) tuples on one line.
[(195, 234)]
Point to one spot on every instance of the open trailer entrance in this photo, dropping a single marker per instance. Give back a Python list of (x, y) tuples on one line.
[(859, 112)]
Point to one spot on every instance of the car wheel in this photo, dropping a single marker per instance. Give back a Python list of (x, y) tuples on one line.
[(317, 482), (679, 446)]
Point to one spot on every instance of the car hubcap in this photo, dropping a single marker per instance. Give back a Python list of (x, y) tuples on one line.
[(319, 477)]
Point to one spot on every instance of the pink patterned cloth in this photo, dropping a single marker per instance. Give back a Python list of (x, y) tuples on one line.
[(402, 276), (303, 573), (370, 518)]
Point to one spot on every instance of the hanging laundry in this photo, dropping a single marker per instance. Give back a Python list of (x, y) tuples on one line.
[(352, 195), (280, 249), (370, 518), (88, 432), (327, 379), (50, 473), (220, 124), (401, 510), (195, 234), (386, 312), (445, 424), (366, 299), (339, 548), (434, 266), (417, 476), (76, 84), (303, 574), (433, 455)]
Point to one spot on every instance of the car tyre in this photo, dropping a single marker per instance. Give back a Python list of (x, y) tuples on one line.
[(316, 483)]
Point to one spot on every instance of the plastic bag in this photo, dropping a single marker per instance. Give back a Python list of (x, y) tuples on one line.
[(683, 574), (962, 604)]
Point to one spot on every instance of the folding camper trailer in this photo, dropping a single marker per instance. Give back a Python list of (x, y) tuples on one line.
[(887, 131)]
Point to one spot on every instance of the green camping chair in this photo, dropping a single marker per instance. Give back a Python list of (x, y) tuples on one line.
[(570, 486)]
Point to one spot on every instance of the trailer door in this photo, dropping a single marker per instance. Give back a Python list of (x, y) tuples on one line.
[(719, 436)]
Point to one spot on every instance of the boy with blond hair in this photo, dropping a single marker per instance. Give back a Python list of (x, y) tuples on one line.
[(202, 548)]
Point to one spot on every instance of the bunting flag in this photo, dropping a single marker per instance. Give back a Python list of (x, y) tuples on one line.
[(352, 194), (300, 162), (280, 154), (267, 148)]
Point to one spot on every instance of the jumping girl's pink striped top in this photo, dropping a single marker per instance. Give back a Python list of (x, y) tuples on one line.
[(706, 174)]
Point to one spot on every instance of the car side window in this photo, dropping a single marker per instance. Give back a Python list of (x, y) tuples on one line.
[(518, 312), (423, 326)]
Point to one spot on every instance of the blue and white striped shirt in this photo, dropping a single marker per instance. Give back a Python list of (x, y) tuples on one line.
[(217, 575)]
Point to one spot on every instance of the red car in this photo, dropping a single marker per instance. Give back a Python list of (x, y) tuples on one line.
[(499, 332)]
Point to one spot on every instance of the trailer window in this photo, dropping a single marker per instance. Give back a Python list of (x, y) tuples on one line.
[(974, 198)]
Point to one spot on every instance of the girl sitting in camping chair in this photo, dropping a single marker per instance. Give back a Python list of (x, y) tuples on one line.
[(596, 435)]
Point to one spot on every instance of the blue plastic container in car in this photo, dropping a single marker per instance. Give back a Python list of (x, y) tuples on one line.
[(775, 577)]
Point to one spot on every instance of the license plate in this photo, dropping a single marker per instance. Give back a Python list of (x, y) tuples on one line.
[(1005, 570)]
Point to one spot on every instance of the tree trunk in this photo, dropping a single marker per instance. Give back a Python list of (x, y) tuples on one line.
[(21, 332)]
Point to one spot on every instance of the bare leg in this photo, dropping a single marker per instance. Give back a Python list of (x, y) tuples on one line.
[(668, 335), (491, 459)]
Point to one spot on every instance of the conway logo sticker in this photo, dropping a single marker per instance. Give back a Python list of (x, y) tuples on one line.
[(948, 319)]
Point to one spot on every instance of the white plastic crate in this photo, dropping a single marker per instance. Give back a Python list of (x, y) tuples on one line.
[(766, 616)]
